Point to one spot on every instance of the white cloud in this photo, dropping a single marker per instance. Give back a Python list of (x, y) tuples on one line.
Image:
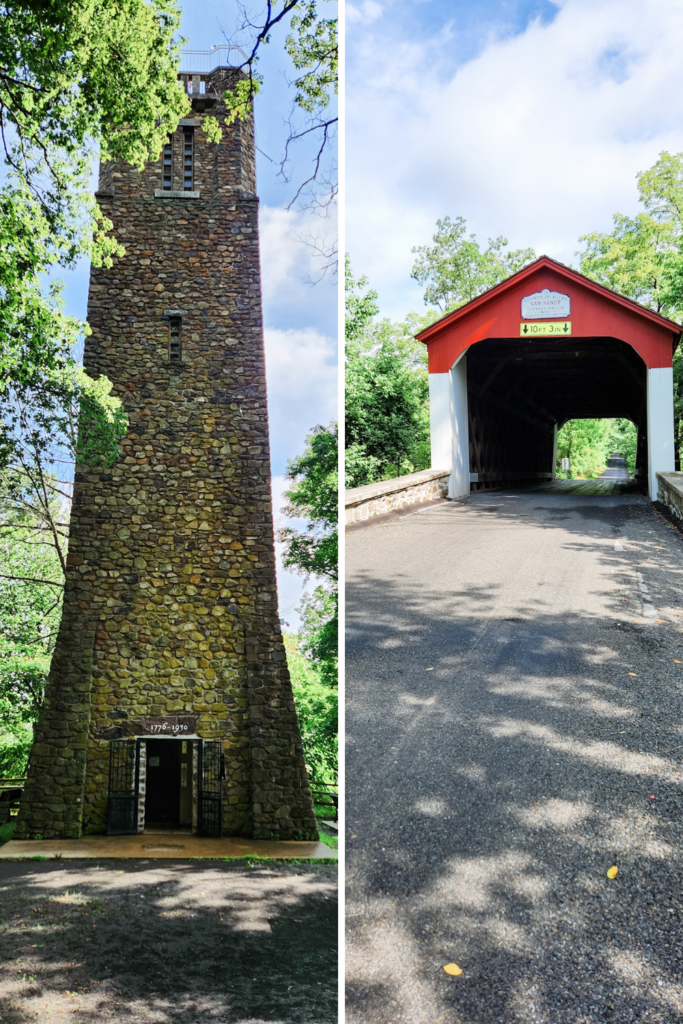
[(539, 138), (300, 318), (301, 373), (289, 261), (365, 12)]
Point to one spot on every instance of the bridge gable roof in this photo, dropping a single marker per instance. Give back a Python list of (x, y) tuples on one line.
[(596, 312)]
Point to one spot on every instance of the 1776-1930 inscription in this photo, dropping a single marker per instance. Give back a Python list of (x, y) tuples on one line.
[(162, 725)]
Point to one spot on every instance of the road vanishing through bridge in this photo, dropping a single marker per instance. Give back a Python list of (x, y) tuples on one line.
[(514, 693)]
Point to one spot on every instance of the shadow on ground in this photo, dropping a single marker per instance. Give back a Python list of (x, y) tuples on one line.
[(168, 943), (503, 753)]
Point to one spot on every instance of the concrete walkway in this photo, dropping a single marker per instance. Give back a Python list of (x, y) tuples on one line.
[(514, 693), (180, 847)]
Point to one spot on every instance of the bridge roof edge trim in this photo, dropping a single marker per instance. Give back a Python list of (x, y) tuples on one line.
[(545, 262)]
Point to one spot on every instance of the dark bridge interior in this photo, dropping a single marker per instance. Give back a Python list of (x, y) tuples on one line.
[(518, 390)]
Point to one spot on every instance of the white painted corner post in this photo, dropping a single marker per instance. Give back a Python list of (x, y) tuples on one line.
[(440, 431), (552, 468), (449, 427), (660, 425), (460, 472)]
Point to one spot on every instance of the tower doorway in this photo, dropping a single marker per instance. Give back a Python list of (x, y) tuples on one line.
[(168, 800), (161, 784)]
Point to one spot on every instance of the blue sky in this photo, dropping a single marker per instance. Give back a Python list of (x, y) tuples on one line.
[(300, 319), (530, 120)]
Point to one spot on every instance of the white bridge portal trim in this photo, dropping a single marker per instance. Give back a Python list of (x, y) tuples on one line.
[(440, 430), (660, 425), (460, 472), (449, 426)]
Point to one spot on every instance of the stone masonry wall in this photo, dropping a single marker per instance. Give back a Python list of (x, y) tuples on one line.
[(363, 503), (170, 602), (670, 492)]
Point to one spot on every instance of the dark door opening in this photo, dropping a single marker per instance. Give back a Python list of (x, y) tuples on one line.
[(521, 390), (168, 775)]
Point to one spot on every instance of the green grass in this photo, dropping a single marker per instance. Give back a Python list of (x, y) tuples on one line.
[(324, 811), (331, 841)]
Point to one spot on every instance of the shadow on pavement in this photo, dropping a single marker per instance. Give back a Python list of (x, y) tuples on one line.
[(499, 763)]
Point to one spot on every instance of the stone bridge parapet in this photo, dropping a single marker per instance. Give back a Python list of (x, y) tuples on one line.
[(670, 492), (390, 495)]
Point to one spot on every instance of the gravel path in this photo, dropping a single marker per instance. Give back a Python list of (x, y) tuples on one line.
[(514, 729), (168, 942)]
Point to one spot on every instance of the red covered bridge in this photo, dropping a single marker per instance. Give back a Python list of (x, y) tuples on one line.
[(545, 346)]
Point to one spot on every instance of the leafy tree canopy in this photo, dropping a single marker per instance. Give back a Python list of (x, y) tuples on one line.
[(642, 258), (456, 270), (386, 388), (31, 588), (313, 552), (361, 306), (313, 496), (317, 712), (319, 632), (312, 45), (76, 78)]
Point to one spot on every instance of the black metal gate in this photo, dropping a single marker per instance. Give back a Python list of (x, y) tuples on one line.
[(124, 771), (211, 774)]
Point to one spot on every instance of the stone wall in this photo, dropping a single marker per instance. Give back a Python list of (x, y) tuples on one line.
[(670, 492), (363, 503), (170, 600)]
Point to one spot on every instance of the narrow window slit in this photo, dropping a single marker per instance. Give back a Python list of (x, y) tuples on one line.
[(168, 165), (175, 345), (188, 161)]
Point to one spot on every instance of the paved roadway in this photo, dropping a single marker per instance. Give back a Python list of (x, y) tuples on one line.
[(515, 728), (616, 469)]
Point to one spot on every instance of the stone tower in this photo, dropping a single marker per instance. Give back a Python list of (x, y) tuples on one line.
[(168, 701)]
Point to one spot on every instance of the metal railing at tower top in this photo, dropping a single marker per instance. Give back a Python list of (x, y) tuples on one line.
[(201, 62)]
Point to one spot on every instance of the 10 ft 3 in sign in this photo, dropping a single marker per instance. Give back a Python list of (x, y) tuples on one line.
[(563, 327)]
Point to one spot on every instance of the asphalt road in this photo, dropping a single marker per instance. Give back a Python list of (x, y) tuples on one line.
[(515, 729)]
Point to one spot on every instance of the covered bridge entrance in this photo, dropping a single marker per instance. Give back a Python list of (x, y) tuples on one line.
[(547, 345)]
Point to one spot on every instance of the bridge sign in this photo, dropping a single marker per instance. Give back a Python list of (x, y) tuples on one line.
[(545, 303), (550, 327)]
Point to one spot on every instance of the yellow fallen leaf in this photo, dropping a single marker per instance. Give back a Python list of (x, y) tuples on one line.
[(453, 969), (633, 674), (612, 873), (677, 661), (429, 670)]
